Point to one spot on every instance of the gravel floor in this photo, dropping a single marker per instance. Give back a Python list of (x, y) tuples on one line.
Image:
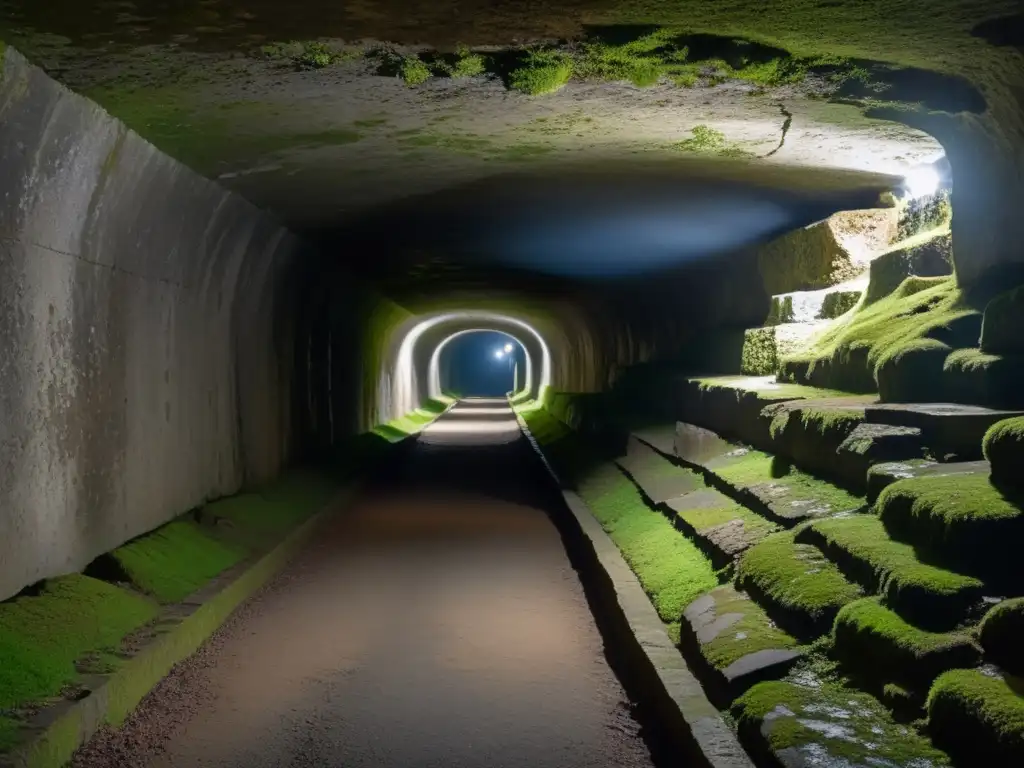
[(438, 622)]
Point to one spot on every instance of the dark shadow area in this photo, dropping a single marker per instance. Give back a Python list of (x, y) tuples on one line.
[(909, 85), (1002, 31)]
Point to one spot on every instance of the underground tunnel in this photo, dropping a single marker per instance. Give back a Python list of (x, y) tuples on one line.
[(632, 383)]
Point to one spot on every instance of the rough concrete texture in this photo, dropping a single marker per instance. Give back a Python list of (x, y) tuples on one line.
[(139, 369)]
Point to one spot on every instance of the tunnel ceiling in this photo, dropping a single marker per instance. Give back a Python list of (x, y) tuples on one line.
[(301, 107)]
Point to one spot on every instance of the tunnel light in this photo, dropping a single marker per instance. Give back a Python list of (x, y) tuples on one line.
[(508, 348), (500, 353), (922, 182)]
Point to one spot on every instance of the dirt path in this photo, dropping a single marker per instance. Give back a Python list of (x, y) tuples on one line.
[(437, 623)]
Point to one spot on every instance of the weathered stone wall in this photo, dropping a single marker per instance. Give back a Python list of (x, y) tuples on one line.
[(143, 367)]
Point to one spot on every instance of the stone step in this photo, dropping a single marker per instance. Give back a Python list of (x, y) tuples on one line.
[(1002, 636), (949, 429), (801, 589), (723, 528), (881, 476), (978, 717), (962, 521), (658, 478), (734, 643), (806, 721), (767, 484), (931, 597), (879, 644), (830, 438)]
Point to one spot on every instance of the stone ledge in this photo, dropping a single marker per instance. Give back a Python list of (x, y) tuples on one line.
[(695, 725), (184, 631)]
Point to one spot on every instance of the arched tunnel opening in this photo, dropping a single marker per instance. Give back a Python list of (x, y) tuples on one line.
[(626, 384)]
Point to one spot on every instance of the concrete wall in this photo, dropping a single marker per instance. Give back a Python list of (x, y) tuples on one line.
[(143, 367)]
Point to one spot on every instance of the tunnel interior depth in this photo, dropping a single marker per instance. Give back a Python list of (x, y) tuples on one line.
[(487, 384)]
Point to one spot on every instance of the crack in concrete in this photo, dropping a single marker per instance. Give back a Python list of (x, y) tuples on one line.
[(785, 128)]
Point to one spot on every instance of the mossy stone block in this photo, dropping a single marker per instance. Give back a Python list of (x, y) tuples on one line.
[(736, 640), (931, 259), (879, 643), (931, 597), (1002, 636), (806, 721), (961, 520), (977, 377), (978, 717), (760, 352), (1003, 323), (1004, 448), (838, 303), (800, 586), (913, 373)]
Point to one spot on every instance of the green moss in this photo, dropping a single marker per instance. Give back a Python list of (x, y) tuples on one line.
[(704, 518), (781, 311), (761, 469), (928, 254), (802, 260), (1004, 448), (754, 632), (830, 724), (707, 140), (672, 570), (411, 423), (838, 303), (963, 520), (930, 596), (175, 560), (1002, 636), (467, 64), (43, 636), (902, 332), (541, 71), (641, 61), (832, 424), (781, 391), (881, 644), (924, 214), (796, 581), (413, 71), (978, 718), (760, 355)]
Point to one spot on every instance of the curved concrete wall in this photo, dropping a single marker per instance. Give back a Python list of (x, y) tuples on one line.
[(143, 364)]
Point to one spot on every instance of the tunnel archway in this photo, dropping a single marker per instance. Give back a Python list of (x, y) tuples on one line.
[(408, 380), (436, 384)]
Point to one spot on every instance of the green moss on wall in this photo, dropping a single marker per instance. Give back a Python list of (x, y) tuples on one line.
[(803, 260), (760, 352), (838, 303), (541, 71), (910, 333), (927, 255), (73, 619), (175, 560)]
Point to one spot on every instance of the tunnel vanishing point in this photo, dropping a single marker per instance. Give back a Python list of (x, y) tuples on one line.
[(761, 273)]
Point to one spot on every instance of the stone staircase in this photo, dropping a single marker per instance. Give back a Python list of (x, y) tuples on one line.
[(859, 566)]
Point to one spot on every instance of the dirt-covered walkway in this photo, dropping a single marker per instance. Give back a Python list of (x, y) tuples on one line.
[(438, 622)]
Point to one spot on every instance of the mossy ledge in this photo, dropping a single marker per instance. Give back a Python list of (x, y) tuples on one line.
[(803, 590), (963, 521), (978, 717), (931, 597), (1002, 636), (1004, 448), (878, 643)]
